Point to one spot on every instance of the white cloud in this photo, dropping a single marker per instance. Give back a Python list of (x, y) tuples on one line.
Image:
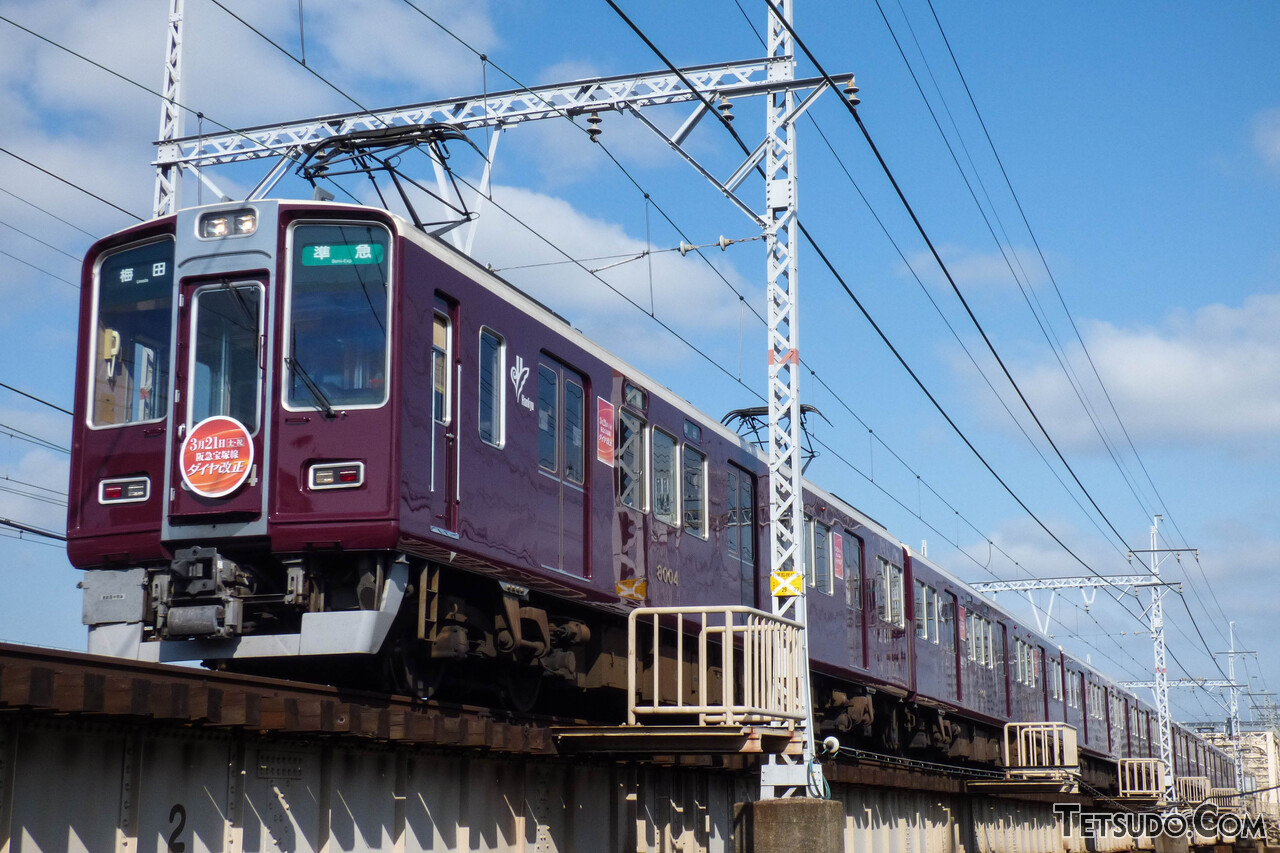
[(1266, 137), (974, 270), (682, 291), (1211, 375)]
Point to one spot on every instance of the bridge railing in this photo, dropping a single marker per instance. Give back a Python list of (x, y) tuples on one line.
[(1227, 799), (1191, 789), (724, 666), (1142, 778), (1040, 750)]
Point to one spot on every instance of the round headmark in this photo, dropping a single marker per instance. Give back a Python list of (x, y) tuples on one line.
[(217, 456)]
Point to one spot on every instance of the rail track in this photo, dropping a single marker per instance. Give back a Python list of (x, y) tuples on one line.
[(61, 683)]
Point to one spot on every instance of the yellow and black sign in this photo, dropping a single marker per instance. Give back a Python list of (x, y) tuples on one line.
[(786, 584)]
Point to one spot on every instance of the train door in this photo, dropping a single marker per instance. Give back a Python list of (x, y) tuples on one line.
[(446, 415), (740, 532), (218, 402), (560, 487)]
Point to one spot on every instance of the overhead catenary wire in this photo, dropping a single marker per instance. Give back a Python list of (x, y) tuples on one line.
[(40, 400), (71, 184)]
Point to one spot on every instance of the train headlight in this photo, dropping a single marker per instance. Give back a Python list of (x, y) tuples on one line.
[(336, 475), (126, 490), (227, 223)]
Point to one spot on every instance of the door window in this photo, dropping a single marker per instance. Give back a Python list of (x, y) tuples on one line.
[(548, 427), (225, 375)]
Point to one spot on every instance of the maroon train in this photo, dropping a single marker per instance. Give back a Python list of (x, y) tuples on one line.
[(309, 438)]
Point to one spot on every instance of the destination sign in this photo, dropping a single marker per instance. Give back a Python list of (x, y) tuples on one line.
[(342, 254)]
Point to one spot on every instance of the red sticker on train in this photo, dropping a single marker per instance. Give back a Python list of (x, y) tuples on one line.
[(604, 431), (217, 456)]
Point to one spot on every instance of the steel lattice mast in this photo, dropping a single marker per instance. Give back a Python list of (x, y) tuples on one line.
[(1163, 719), (781, 776), (169, 175), (1160, 685)]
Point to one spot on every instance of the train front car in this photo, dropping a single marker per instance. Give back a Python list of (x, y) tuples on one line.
[(233, 487)]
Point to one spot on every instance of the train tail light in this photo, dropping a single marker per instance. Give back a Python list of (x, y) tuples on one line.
[(337, 475), (126, 490)]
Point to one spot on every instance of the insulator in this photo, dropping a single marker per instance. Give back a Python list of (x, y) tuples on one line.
[(851, 93), (724, 242), (726, 108), (594, 130), (685, 248)]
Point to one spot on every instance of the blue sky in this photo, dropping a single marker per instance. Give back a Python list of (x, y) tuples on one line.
[(1142, 141)]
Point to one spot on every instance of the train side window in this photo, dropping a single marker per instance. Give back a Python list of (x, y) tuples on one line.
[(665, 495), (947, 621), (819, 554), (548, 429), (981, 650), (493, 359), (972, 651), (922, 623), (891, 609), (926, 614), (740, 531), (630, 469), (440, 360), (852, 570), (574, 443), (693, 493)]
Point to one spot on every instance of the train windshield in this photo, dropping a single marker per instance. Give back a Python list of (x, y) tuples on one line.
[(338, 306), (134, 301)]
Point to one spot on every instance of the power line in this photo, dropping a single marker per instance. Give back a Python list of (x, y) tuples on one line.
[(37, 399), (40, 269), (26, 528), (71, 184), (41, 242), (33, 485), (14, 432), (47, 213)]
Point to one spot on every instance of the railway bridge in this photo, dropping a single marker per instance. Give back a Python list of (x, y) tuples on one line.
[(99, 754)]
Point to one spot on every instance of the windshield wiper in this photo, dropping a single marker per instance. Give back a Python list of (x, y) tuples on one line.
[(300, 371)]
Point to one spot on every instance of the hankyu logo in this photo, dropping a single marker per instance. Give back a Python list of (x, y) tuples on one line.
[(519, 375)]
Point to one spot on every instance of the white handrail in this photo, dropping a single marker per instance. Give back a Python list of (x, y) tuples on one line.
[(759, 656)]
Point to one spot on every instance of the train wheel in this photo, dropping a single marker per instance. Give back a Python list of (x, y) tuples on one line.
[(521, 687), (411, 671), (890, 735)]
